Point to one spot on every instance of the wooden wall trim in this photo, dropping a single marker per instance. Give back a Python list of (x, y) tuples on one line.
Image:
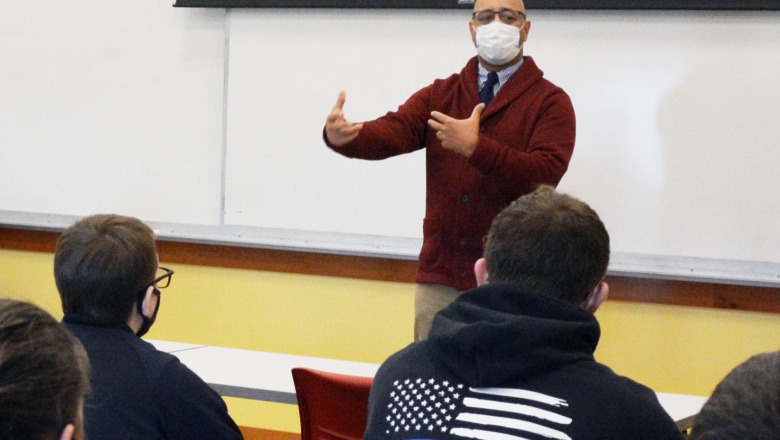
[(646, 290), (695, 294), (308, 263), (250, 433)]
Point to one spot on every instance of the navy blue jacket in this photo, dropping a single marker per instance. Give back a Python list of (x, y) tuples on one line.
[(501, 363), (141, 393)]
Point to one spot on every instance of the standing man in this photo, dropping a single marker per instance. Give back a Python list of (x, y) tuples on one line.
[(513, 358), (493, 132), (106, 270)]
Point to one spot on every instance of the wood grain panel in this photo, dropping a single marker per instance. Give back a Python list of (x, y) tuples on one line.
[(265, 434)]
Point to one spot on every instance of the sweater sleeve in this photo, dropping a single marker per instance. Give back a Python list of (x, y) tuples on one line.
[(398, 132), (190, 409)]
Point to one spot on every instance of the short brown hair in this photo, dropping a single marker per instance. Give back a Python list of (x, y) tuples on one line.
[(548, 243), (43, 374), (102, 265)]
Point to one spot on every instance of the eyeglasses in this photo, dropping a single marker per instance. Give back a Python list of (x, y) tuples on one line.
[(164, 280), (507, 16)]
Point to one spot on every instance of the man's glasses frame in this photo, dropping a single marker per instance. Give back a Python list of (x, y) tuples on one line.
[(163, 280), (506, 15)]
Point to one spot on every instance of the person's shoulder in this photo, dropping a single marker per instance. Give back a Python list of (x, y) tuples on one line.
[(106, 345), (605, 376), (188, 405), (109, 339), (627, 393), (625, 405), (408, 368), (415, 360), (467, 74), (172, 377), (146, 348), (403, 358), (531, 72), (154, 361)]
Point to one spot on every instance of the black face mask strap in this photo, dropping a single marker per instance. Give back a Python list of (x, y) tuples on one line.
[(147, 321)]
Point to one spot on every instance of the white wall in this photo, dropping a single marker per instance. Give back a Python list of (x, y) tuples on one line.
[(124, 108)]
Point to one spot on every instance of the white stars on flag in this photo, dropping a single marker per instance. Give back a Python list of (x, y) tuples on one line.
[(419, 406), (422, 405)]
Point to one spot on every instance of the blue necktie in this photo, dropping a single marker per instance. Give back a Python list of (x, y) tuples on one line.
[(486, 94)]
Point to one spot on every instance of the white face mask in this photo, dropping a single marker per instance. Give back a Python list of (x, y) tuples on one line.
[(498, 43)]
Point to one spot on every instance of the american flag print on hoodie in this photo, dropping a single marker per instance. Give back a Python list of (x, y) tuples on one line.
[(422, 408)]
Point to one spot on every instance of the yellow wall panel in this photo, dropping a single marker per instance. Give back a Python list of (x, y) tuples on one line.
[(669, 348)]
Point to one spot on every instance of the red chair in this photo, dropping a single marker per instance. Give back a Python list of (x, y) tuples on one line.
[(332, 406)]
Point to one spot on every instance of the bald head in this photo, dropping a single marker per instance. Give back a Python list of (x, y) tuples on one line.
[(516, 5)]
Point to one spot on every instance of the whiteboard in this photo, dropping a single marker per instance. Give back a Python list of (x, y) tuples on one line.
[(275, 124), (208, 125), (112, 107), (677, 140), (676, 134)]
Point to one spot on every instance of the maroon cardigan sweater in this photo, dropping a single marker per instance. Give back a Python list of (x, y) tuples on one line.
[(526, 139)]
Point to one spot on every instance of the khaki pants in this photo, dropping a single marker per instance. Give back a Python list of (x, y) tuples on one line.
[(428, 300)]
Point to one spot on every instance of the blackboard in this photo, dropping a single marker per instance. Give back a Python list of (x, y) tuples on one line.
[(468, 4), (206, 123)]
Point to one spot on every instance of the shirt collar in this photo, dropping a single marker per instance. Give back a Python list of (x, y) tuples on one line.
[(83, 320), (503, 75)]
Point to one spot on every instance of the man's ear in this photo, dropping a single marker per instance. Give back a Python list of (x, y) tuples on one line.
[(67, 433), (525, 30), (596, 298), (149, 303), (480, 270)]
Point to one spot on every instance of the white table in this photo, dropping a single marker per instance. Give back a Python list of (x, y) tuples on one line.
[(266, 376), (681, 406), (173, 347), (255, 375)]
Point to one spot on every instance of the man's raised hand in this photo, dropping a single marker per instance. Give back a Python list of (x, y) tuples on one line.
[(458, 135), (338, 130)]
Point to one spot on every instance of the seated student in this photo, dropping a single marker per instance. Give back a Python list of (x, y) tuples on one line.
[(107, 274), (513, 358), (745, 405), (43, 376)]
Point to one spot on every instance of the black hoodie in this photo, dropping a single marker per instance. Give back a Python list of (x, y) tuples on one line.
[(502, 364)]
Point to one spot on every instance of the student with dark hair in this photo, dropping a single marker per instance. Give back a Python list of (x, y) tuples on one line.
[(43, 376), (107, 273), (745, 404), (513, 358)]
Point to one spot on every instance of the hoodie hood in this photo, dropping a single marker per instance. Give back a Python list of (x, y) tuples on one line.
[(496, 332)]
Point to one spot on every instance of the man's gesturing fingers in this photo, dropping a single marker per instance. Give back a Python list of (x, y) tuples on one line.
[(337, 129), (458, 135), (337, 113)]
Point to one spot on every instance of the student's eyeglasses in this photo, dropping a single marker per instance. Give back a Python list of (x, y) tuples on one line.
[(506, 15), (164, 280)]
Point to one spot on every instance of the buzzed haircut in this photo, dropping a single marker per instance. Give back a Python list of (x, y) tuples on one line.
[(549, 243)]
